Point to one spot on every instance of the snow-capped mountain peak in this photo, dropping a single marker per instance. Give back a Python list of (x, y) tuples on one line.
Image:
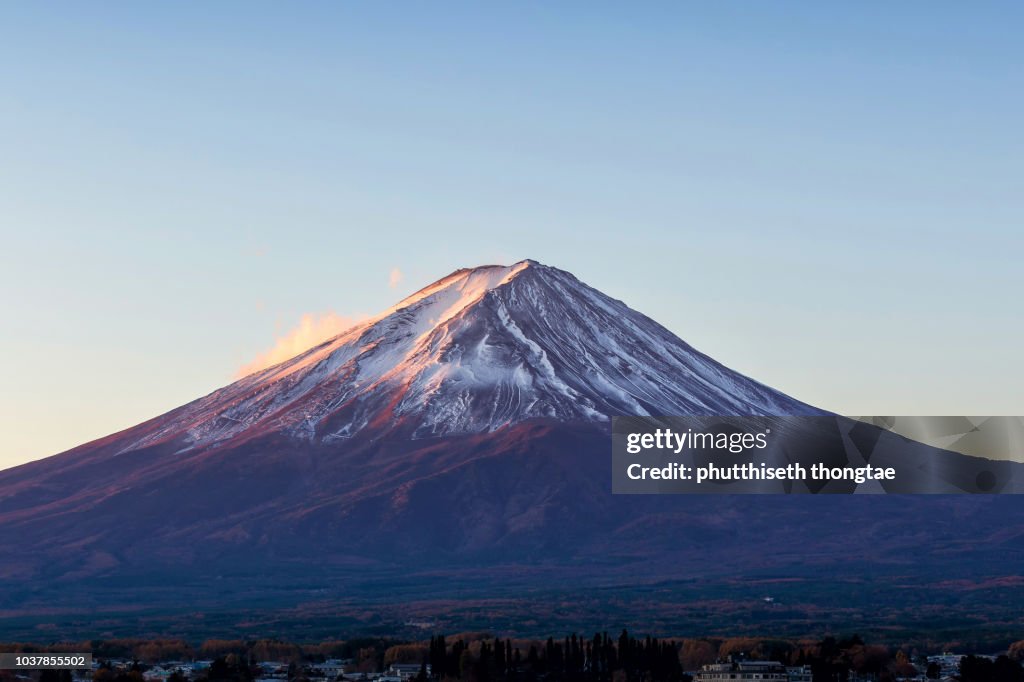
[(475, 351)]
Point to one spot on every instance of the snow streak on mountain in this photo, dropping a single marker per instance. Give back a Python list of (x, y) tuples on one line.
[(475, 351)]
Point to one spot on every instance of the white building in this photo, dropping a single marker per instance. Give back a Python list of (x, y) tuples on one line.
[(405, 671), (330, 668), (800, 673)]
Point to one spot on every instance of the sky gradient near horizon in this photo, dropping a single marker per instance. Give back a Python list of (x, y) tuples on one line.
[(828, 198)]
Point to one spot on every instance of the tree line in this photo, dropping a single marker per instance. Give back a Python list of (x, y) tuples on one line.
[(572, 659), (480, 657)]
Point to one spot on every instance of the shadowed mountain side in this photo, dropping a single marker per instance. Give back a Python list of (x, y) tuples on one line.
[(538, 492)]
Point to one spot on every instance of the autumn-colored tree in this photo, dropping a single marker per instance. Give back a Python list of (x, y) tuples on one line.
[(163, 650), (405, 653), (367, 661), (694, 653), (216, 648), (868, 659), (741, 646), (275, 650), (903, 667)]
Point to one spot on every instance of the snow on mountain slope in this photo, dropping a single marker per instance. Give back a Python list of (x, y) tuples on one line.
[(475, 351)]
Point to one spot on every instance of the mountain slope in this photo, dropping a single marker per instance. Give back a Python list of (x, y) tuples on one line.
[(481, 351), (464, 429)]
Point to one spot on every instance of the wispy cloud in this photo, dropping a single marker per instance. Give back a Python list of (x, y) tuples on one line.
[(395, 277), (312, 329)]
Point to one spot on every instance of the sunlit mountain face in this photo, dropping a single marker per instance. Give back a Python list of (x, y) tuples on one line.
[(455, 448), (476, 351)]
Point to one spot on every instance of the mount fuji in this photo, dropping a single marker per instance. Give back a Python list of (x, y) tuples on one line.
[(455, 444)]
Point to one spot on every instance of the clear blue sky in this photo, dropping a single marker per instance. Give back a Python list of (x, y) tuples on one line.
[(828, 197)]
